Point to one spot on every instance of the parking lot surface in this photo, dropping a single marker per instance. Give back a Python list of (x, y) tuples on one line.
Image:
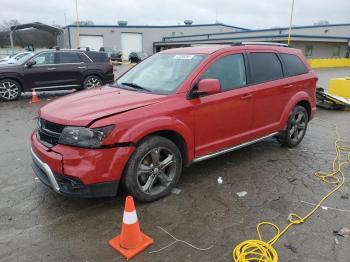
[(36, 224)]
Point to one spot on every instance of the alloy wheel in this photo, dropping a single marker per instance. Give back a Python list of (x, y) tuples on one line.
[(92, 82), (156, 171), (8, 90), (297, 127)]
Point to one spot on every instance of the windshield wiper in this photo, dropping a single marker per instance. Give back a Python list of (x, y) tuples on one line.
[(136, 86)]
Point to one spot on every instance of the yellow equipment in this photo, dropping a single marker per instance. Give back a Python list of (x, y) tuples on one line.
[(340, 87)]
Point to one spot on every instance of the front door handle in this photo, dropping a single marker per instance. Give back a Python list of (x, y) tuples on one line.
[(81, 67), (288, 86), (51, 68), (246, 96)]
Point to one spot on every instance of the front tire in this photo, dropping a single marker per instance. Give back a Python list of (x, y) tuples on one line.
[(10, 90), (91, 82), (153, 170), (296, 127)]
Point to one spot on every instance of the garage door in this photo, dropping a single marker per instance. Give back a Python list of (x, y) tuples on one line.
[(131, 42), (94, 42)]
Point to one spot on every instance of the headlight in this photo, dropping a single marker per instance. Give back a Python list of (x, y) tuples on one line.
[(84, 137)]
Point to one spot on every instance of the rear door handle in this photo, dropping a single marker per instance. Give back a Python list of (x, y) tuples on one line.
[(81, 67), (246, 96), (51, 68)]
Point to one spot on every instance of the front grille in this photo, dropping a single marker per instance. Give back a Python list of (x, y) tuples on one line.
[(48, 132)]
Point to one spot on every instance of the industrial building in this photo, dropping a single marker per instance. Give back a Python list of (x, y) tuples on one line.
[(316, 41)]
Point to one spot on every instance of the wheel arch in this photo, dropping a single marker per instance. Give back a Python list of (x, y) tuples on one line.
[(301, 98), (92, 73), (306, 104), (14, 78), (176, 138), (167, 127)]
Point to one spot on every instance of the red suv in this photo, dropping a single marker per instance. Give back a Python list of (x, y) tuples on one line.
[(177, 107)]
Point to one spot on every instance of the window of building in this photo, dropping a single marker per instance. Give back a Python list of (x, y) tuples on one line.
[(45, 58), (336, 51), (68, 58), (265, 67), (293, 64), (229, 70), (172, 33), (308, 50)]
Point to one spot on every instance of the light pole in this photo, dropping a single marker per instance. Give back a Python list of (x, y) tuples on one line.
[(290, 22), (78, 24)]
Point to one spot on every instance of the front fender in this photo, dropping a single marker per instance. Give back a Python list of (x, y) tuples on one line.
[(297, 98), (153, 125)]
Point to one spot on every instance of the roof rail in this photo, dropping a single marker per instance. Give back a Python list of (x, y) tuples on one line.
[(264, 43)]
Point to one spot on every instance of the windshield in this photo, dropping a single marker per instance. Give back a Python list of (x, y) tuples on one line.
[(161, 73), (23, 59)]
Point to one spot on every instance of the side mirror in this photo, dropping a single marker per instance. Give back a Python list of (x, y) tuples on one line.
[(30, 63), (208, 87)]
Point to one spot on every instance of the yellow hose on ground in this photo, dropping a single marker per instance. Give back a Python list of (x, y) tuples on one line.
[(261, 251)]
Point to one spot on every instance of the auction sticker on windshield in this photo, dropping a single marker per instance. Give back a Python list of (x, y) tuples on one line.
[(183, 56)]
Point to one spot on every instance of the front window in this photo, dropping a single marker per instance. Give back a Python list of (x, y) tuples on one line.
[(45, 58), (161, 73), (229, 70)]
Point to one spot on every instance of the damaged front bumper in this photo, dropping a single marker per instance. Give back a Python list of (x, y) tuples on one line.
[(78, 172)]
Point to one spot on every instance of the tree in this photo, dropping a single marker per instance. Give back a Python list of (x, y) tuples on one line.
[(6, 25)]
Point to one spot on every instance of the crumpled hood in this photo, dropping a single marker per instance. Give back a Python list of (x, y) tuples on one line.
[(81, 108)]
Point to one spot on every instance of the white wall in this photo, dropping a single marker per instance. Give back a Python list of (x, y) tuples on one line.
[(112, 35)]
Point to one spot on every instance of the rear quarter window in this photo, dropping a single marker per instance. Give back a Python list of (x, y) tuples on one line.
[(264, 67), (293, 64), (98, 57)]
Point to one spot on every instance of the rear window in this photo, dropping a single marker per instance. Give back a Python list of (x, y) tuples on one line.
[(265, 67), (98, 57), (68, 58), (293, 64)]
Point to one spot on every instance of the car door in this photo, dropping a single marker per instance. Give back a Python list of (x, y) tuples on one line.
[(43, 72), (69, 68), (223, 119), (270, 89)]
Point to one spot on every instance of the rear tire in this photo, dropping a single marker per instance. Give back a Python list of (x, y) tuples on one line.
[(296, 127), (91, 82), (10, 90), (153, 170)]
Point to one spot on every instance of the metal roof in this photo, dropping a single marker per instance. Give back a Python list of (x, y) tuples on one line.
[(39, 26), (156, 26), (242, 38)]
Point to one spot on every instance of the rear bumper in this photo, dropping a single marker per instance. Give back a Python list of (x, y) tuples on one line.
[(79, 172), (109, 78)]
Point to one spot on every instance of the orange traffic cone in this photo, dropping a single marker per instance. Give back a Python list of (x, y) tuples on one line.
[(35, 98), (131, 241)]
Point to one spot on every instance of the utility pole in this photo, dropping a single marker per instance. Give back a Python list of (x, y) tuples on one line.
[(290, 22), (78, 24)]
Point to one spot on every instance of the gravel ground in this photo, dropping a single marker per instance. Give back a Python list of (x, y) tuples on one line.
[(38, 225)]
